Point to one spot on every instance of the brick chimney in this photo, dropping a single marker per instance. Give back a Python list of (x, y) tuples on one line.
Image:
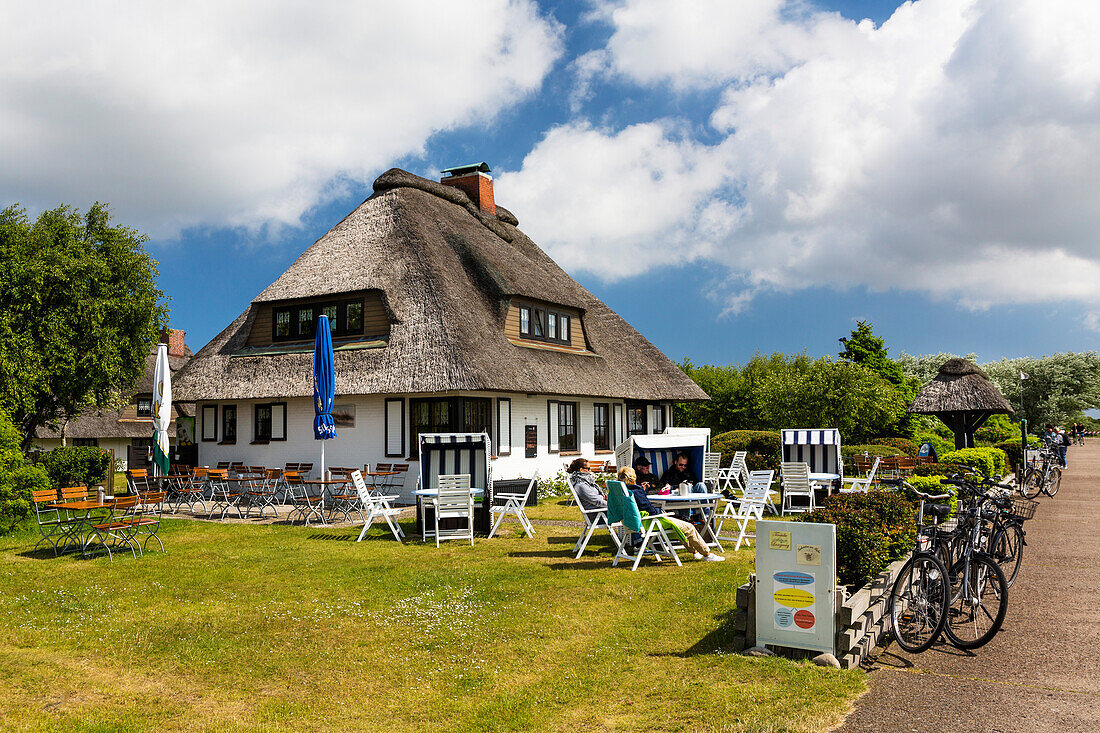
[(475, 180), (174, 338)]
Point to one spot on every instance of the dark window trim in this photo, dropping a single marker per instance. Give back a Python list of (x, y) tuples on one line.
[(214, 422), (456, 412), (226, 440), (501, 428), (255, 424), (551, 406), (644, 407), (148, 411), (386, 428), (339, 328), (546, 313), (607, 425)]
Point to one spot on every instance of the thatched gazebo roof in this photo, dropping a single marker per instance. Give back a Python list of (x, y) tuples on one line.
[(960, 386), (963, 397), (447, 271)]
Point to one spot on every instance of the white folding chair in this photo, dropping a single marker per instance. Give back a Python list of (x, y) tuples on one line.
[(796, 484), (454, 502), (655, 537), (750, 506), (514, 504), (711, 467), (860, 484), (736, 476), (593, 519), (373, 505)]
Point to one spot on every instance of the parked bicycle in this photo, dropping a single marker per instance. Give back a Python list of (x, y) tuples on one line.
[(1042, 476), (919, 597)]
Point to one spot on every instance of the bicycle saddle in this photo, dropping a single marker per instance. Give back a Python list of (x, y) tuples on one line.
[(939, 511)]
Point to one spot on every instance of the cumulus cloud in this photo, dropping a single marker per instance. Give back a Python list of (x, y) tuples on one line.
[(243, 114), (952, 151)]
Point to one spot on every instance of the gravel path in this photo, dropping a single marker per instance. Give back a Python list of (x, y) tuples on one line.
[(1042, 671)]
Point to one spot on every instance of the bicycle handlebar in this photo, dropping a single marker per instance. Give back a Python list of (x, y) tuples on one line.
[(910, 487)]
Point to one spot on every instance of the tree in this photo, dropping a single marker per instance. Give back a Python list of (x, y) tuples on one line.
[(864, 348), (79, 311), (17, 479)]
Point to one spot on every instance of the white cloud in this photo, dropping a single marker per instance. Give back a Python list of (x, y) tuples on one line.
[(952, 151), (241, 113)]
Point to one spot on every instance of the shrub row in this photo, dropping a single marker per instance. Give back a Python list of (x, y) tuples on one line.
[(906, 446), (72, 465), (848, 451), (872, 530), (1013, 452), (17, 479), (987, 461), (763, 446)]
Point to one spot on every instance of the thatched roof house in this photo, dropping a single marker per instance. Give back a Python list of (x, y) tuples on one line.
[(963, 397), (448, 297), (130, 426)]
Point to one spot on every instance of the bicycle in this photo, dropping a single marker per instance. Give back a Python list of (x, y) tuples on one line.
[(979, 588), (919, 596), (1043, 476)]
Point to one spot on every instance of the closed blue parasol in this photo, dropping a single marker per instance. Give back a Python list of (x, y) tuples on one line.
[(324, 386)]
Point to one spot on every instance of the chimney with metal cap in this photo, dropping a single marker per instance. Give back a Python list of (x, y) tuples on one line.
[(475, 181)]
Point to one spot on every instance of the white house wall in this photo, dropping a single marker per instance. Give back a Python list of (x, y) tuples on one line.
[(365, 443)]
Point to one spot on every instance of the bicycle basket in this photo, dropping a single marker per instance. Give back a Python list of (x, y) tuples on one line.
[(1023, 508)]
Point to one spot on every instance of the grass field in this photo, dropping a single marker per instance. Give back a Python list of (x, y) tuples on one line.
[(271, 627)]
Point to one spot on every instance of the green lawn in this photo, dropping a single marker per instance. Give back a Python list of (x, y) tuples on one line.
[(242, 627)]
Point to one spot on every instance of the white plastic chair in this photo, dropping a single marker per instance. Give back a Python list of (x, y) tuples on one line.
[(593, 519), (373, 505), (736, 476), (796, 483), (860, 484), (454, 501), (514, 504), (750, 506), (654, 535), (711, 468)]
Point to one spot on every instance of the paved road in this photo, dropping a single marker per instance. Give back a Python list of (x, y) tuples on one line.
[(1042, 671)]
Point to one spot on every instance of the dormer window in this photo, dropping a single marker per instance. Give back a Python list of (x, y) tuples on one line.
[(543, 324), (144, 406), (299, 322)]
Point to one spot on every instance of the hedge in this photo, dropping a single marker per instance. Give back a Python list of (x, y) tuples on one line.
[(987, 461), (935, 485), (904, 445), (71, 465), (872, 530), (941, 445), (938, 469), (17, 479), (764, 448), (848, 451), (1013, 453)]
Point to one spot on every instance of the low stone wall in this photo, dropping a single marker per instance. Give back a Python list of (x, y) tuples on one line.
[(860, 619)]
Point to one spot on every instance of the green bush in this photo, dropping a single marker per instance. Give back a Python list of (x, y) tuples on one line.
[(764, 448), (1013, 454), (848, 451), (906, 446), (872, 530), (938, 469), (986, 461), (71, 465), (17, 479), (941, 444), (549, 488), (935, 485)]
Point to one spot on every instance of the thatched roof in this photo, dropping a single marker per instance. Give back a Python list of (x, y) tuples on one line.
[(447, 271), (960, 386)]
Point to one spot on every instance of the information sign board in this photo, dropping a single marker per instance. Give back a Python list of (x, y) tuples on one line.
[(795, 585)]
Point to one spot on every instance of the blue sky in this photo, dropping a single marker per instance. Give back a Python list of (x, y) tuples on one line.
[(754, 176)]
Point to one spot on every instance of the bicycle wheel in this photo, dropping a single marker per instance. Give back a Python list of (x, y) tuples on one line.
[(1054, 482), (1033, 483), (1007, 549), (917, 603), (978, 605)]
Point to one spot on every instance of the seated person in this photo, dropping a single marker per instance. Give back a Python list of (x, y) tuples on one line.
[(584, 483), (646, 478), (691, 535), (678, 473)]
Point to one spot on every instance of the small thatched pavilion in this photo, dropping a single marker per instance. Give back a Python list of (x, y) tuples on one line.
[(963, 397)]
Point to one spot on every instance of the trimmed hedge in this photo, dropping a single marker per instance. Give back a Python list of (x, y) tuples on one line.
[(764, 448), (847, 451), (986, 461), (935, 485), (1014, 455), (904, 445), (938, 469), (872, 530), (71, 465), (941, 445)]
